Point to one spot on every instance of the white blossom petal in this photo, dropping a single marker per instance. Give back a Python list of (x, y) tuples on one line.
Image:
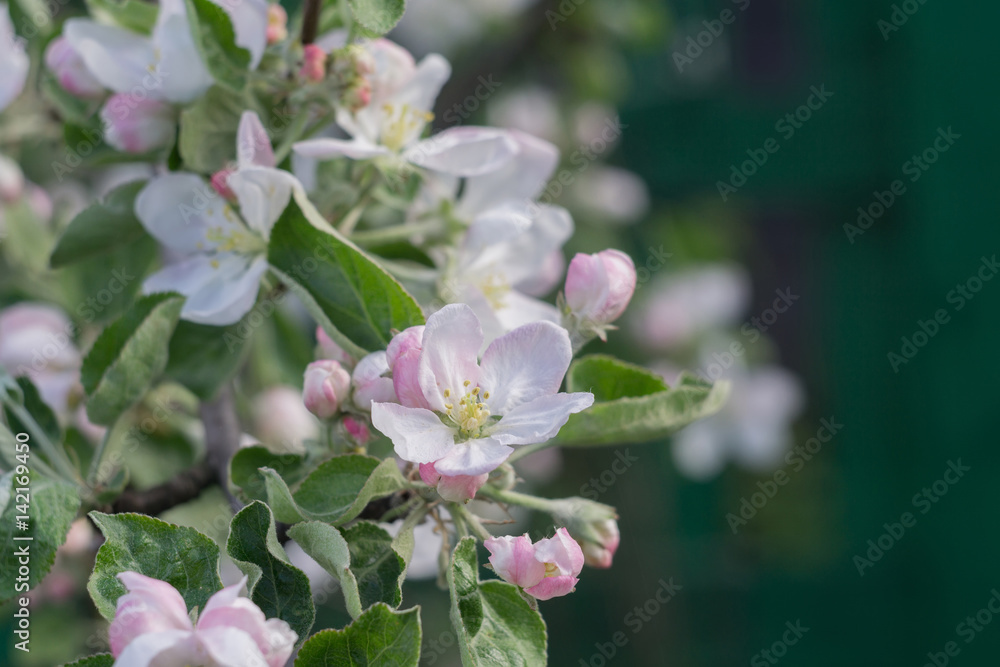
[(229, 294), (15, 61), (474, 457), (417, 435), (327, 149), (179, 209), (452, 338), (540, 419), (119, 59), (253, 146), (521, 179), (169, 647), (263, 194), (524, 364), (183, 76), (463, 151)]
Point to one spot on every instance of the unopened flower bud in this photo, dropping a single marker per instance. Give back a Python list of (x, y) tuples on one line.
[(220, 183), (358, 430), (456, 488), (594, 525), (313, 63), (600, 286), (327, 348), (277, 24), (357, 96), (134, 125), (70, 70), (326, 386)]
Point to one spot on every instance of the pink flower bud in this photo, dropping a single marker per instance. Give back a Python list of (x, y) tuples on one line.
[(328, 349), (152, 622), (281, 421), (70, 70), (601, 553), (326, 385), (369, 382), (457, 488), (313, 63), (277, 24), (358, 430), (220, 183), (403, 357), (546, 569), (357, 96), (599, 287), (134, 125)]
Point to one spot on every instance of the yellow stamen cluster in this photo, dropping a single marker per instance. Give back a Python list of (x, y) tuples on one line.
[(471, 412), (495, 288), (551, 570), (235, 240), (402, 124)]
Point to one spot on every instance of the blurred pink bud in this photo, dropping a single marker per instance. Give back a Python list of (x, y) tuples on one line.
[(220, 183), (151, 626), (403, 357), (358, 430), (11, 181), (599, 287), (277, 24), (135, 125), (70, 70), (313, 63), (328, 349), (357, 96), (281, 421), (601, 553), (545, 570), (457, 488), (370, 383), (326, 386)]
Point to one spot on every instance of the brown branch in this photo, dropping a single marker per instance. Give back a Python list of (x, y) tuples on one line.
[(222, 438), (186, 486), (310, 20)]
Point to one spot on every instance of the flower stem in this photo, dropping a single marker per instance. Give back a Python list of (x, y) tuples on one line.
[(459, 512), (515, 498)]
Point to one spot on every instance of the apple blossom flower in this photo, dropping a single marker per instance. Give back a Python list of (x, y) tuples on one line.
[(545, 569), (36, 341), (222, 251), (152, 627), (753, 429), (511, 250), (389, 126), (138, 125), (326, 387), (455, 488), (313, 63), (15, 61), (70, 70), (695, 300), (598, 289), (165, 65), (277, 23), (479, 412)]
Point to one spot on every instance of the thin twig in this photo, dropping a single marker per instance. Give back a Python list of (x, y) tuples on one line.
[(310, 20)]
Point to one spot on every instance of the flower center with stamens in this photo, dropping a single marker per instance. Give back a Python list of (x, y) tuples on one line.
[(470, 413), (495, 288), (235, 240), (551, 570), (401, 124)]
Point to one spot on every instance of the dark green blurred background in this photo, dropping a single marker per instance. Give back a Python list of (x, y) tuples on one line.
[(794, 560)]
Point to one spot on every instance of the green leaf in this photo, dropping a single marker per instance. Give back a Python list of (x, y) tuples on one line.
[(375, 564), (378, 16), (128, 356), (204, 358), (22, 16), (632, 420), (215, 40), (279, 588), (51, 508), (336, 491), (133, 15), (180, 556), (208, 130), (38, 409), (99, 660), (496, 627), (101, 227), (355, 300), (608, 378), (381, 637), (244, 469), (327, 546)]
